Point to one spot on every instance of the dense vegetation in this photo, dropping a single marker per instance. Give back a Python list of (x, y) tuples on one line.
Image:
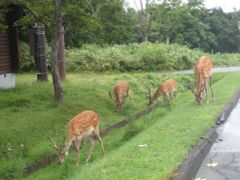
[(28, 116), (132, 57)]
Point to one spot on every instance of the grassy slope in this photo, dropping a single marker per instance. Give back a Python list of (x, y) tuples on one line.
[(169, 133), (27, 114)]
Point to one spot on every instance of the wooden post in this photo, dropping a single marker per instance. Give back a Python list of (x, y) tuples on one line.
[(60, 55), (40, 53)]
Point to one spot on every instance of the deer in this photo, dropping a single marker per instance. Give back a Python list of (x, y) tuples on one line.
[(203, 76), (85, 124), (167, 89), (120, 92)]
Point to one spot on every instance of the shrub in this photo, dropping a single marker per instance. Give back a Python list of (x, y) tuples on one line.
[(26, 60), (131, 57)]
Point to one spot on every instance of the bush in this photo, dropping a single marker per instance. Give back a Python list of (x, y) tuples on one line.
[(131, 57), (26, 60)]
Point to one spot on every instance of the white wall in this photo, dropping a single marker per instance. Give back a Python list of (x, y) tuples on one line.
[(7, 81)]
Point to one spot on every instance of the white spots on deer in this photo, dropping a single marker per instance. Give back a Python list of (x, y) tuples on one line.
[(85, 124), (167, 89), (203, 76)]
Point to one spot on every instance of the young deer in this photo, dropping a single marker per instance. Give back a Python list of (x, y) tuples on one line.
[(167, 89), (85, 124), (120, 91), (203, 75)]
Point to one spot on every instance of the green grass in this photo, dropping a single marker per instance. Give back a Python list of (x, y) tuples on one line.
[(169, 136), (28, 115)]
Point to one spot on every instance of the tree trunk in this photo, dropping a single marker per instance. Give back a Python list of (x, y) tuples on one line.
[(58, 90), (144, 27), (144, 21), (167, 40), (61, 55)]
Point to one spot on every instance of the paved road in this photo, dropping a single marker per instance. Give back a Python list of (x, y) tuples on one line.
[(215, 70), (223, 160)]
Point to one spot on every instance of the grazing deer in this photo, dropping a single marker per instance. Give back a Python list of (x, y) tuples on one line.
[(120, 91), (203, 75), (85, 124), (167, 89)]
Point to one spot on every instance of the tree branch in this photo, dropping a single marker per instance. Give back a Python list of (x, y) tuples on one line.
[(36, 16)]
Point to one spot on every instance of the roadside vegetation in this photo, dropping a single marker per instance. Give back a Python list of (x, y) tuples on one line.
[(132, 57), (28, 116)]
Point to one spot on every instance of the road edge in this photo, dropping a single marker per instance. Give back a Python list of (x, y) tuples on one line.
[(188, 169)]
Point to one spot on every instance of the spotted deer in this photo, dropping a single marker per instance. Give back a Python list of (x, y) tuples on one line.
[(85, 124), (167, 89), (203, 76), (120, 92)]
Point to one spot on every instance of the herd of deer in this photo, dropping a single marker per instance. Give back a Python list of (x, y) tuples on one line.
[(86, 124)]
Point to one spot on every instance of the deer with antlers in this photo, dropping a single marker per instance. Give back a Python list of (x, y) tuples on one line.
[(167, 89), (85, 124), (120, 92), (203, 76)]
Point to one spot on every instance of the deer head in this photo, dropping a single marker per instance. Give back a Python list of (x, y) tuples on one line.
[(198, 95), (59, 150)]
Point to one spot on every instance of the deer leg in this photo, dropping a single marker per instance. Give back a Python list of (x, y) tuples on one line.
[(206, 92), (67, 146), (210, 82), (100, 141), (166, 95), (77, 147), (129, 96), (91, 142)]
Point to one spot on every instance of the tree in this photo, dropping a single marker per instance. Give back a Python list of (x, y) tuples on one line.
[(117, 24), (36, 11), (58, 90), (144, 18), (224, 26)]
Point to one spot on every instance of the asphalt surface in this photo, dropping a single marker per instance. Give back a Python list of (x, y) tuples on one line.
[(215, 70), (223, 159)]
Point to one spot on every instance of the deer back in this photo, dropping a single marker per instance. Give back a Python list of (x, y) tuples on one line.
[(168, 86), (120, 92), (83, 124), (202, 71)]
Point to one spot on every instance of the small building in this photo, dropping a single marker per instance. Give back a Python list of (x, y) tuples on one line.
[(9, 46)]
